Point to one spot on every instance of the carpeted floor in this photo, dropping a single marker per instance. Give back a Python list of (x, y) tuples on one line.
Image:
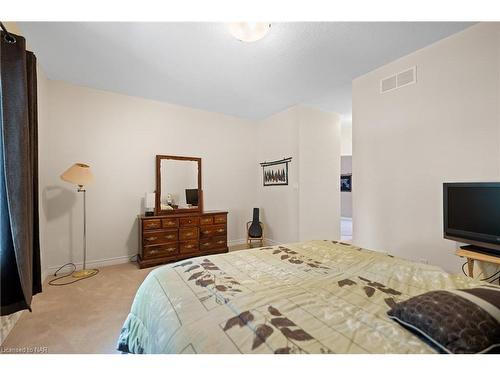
[(84, 317)]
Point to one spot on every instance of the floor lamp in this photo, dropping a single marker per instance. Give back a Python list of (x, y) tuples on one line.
[(79, 174)]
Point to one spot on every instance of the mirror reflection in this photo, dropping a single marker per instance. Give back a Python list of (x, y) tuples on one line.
[(179, 184)]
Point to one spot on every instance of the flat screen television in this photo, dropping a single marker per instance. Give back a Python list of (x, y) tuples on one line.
[(192, 197), (472, 214)]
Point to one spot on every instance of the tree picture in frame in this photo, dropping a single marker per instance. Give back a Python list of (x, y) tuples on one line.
[(275, 172)]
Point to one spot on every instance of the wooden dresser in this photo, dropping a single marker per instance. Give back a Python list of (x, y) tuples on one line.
[(168, 238)]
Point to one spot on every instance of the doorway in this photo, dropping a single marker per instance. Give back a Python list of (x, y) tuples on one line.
[(346, 198), (346, 181)]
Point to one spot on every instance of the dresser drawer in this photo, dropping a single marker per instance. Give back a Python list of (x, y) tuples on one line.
[(206, 220), (156, 251), (206, 244), (170, 223), (220, 242), (159, 237), (189, 221), (219, 219), (188, 234), (212, 230), (188, 246), (213, 243), (151, 224)]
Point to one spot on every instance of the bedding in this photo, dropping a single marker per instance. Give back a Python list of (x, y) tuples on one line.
[(310, 297)]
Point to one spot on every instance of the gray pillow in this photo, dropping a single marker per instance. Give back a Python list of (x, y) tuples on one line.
[(455, 321)]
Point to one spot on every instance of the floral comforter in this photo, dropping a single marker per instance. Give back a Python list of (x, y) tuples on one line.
[(311, 297)]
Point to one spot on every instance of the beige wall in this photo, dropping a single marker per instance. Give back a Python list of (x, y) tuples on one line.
[(346, 138), (309, 207), (12, 28), (409, 141), (319, 170), (119, 137), (278, 139)]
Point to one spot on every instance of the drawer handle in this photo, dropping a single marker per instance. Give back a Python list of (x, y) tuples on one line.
[(206, 232), (170, 236), (151, 238), (151, 225), (221, 241), (220, 230), (189, 246), (206, 244), (169, 249)]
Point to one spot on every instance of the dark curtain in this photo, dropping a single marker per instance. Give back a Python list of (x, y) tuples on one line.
[(20, 271)]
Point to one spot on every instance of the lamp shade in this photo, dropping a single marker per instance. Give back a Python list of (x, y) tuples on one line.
[(78, 174), (150, 201)]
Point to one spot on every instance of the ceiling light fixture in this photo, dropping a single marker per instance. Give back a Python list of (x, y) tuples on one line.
[(249, 31)]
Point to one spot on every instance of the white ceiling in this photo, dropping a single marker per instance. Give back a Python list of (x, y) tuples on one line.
[(201, 65)]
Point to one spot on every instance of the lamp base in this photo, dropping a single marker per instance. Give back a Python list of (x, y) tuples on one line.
[(84, 273)]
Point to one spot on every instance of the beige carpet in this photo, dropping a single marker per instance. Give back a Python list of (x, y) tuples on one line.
[(84, 317)]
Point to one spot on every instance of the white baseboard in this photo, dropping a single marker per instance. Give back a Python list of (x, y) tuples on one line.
[(45, 274), (91, 264), (240, 241), (271, 242), (125, 259), (243, 241)]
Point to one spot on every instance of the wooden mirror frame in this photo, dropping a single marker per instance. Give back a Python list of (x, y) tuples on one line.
[(158, 210)]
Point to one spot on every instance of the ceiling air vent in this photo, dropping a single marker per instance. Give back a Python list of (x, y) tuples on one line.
[(404, 78)]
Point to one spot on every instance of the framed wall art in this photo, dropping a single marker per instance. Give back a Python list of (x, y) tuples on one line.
[(346, 182), (275, 172)]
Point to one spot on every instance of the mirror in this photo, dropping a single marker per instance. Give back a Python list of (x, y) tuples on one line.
[(178, 184)]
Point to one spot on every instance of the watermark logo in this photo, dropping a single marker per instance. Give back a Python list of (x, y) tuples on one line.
[(24, 350)]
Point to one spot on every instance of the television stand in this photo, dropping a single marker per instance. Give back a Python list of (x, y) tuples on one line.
[(473, 253)]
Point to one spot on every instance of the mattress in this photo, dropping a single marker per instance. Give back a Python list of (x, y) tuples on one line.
[(310, 297)]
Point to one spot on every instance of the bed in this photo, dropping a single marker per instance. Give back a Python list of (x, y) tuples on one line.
[(310, 297)]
